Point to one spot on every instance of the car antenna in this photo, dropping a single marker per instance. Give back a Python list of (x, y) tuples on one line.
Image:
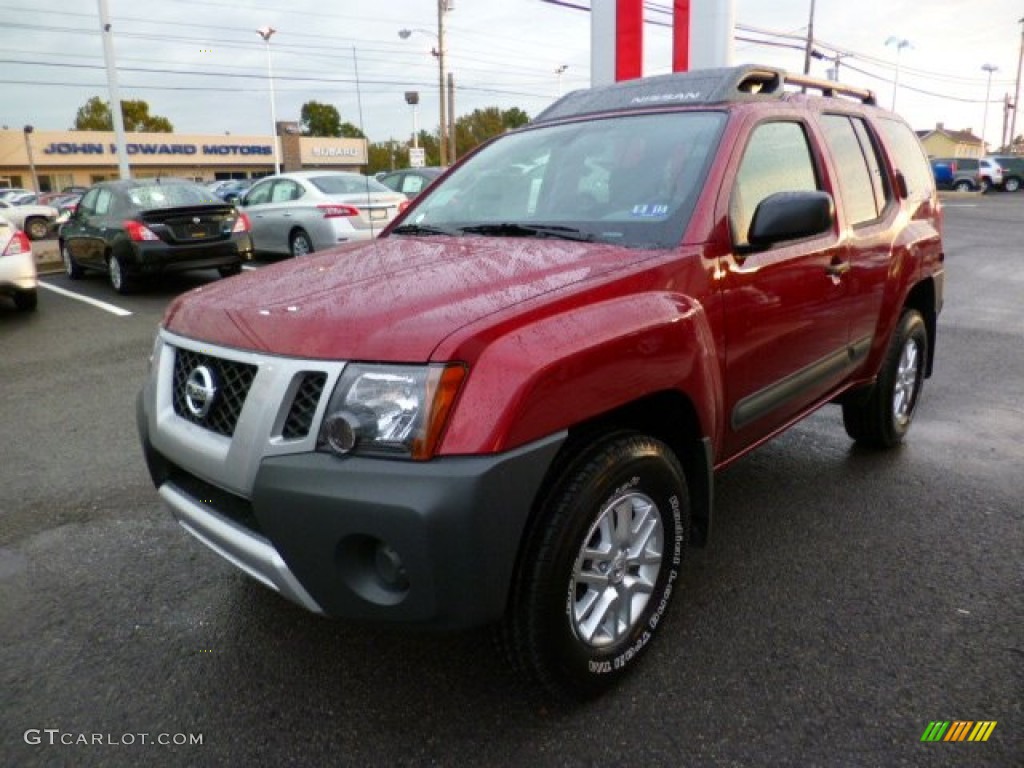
[(359, 106)]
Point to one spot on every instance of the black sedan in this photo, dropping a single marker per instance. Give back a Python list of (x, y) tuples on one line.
[(411, 181), (148, 227)]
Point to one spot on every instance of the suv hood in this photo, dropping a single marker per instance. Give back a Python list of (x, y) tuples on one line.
[(393, 299)]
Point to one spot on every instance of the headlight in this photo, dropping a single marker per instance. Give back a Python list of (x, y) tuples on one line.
[(390, 410)]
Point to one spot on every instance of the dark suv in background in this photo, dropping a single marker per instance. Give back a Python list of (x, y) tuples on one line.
[(1013, 170)]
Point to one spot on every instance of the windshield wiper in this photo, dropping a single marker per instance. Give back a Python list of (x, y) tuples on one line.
[(512, 229), (420, 229)]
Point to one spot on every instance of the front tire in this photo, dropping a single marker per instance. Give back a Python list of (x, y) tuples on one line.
[(26, 301), (71, 267), (231, 271), (599, 566), (1012, 184), (880, 416), (301, 244), (964, 186)]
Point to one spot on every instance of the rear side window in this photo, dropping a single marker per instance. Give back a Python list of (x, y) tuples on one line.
[(908, 157), (860, 176), (777, 159)]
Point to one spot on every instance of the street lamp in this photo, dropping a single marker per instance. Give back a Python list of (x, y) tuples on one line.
[(443, 6), (31, 160), (559, 71), (412, 98), (990, 68), (900, 44), (266, 33)]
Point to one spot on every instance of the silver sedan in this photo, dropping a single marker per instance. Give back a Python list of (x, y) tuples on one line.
[(298, 213)]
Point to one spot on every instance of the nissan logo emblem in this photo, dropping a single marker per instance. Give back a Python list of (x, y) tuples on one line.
[(196, 220), (200, 390)]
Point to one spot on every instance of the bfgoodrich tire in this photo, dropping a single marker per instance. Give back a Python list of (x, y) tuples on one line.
[(599, 567), (880, 416)]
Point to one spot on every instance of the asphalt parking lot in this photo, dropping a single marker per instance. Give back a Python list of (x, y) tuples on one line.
[(847, 600)]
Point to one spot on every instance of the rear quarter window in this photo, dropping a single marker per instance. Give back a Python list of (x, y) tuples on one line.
[(908, 157)]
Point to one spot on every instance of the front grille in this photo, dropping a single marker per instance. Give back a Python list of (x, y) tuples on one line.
[(307, 397), (223, 502), (231, 381)]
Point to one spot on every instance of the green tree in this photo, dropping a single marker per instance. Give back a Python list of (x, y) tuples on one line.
[(318, 119), (95, 115), (482, 124), (386, 156), (350, 131)]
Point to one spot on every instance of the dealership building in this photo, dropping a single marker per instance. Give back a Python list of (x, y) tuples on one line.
[(61, 159)]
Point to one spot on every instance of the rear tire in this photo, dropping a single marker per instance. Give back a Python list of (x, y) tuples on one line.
[(36, 228), (1011, 184), (119, 281), (26, 301), (301, 244), (963, 186), (880, 416), (599, 567)]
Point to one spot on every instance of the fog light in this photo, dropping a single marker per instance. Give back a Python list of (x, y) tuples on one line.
[(341, 431), (389, 567)]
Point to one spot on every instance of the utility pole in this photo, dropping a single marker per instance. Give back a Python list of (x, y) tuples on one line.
[(1016, 90), (810, 42), (451, 118), (443, 137), (1004, 146)]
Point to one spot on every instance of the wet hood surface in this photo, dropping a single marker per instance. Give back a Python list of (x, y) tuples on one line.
[(392, 299)]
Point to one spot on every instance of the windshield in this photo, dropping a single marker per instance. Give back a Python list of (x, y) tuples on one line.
[(629, 180), (349, 184)]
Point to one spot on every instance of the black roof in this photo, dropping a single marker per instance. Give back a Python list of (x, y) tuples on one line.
[(700, 87)]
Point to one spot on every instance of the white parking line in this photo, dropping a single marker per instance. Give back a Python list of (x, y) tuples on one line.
[(95, 302), (249, 268)]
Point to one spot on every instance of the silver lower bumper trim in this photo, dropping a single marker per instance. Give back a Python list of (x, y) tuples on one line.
[(239, 546)]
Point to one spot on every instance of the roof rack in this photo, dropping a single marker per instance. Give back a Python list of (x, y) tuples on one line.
[(703, 86)]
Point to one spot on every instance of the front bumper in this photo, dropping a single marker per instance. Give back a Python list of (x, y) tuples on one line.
[(426, 543)]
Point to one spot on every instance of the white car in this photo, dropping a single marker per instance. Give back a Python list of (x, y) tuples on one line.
[(35, 220), (991, 173), (17, 267), (298, 213)]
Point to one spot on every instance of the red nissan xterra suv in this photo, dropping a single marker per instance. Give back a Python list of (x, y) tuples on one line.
[(510, 407)]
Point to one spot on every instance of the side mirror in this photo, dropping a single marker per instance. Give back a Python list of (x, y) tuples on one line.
[(791, 216)]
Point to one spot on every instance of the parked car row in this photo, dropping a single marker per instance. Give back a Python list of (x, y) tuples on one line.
[(967, 174), (130, 230)]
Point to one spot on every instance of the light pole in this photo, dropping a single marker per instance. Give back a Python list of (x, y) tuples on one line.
[(266, 33), (990, 68), (31, 160), (412, 98), (900, 44), (439, 52), (559, 71)]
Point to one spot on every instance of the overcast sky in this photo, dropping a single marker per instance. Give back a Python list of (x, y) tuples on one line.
[(201, 64)]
